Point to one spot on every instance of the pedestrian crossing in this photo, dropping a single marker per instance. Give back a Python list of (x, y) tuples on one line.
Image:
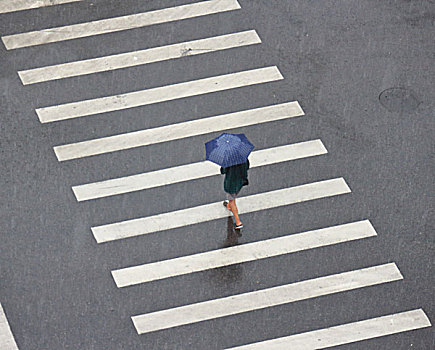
[(193, 171), (347, 333), (7, 6), (7, 340), (258, 251), (158, 94), (265, 298), (141, 57), (214, 211), (117, 24)]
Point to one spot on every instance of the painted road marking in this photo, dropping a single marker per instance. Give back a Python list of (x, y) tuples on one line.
[(193, 171), (159, 94), (7, 341), (243, 253), (137, 58), (213, 211), (178, 131), (20, 5), (117, 24), (265, 298), (347, 333)]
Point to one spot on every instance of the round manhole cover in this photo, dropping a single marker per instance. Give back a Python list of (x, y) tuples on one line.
[(398, 100)]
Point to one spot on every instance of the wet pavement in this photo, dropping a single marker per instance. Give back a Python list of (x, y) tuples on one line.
[(361, 71)]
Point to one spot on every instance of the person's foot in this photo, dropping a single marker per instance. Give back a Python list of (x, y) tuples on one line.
[(226, 205), (239, 226)]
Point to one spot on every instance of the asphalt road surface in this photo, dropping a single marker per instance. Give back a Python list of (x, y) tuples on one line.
[(337, 250)]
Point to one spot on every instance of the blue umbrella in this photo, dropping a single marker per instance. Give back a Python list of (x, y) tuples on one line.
[(228, 149)]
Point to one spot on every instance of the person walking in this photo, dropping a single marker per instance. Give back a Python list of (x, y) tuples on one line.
[(236, 176), (231, 152)]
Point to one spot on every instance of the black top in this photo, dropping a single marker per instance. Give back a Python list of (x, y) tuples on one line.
[(236, 177)]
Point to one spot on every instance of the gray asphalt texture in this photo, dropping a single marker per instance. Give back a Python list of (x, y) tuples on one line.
[(337, 57)]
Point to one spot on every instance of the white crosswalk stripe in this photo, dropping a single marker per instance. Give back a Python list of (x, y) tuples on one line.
[(178, 131), (347, 333), (193, 171), (213, 211), (136, 58), (7, 341), (7, 6), (117, 24), (243, 253), (159, 94), (265, 298)]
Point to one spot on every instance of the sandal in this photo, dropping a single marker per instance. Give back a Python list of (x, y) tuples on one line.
[(238, 227)]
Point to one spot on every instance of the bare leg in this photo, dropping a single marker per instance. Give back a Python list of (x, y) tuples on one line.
[(233, 207)]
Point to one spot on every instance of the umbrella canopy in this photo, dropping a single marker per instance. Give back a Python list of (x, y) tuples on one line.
[(228, 149)]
